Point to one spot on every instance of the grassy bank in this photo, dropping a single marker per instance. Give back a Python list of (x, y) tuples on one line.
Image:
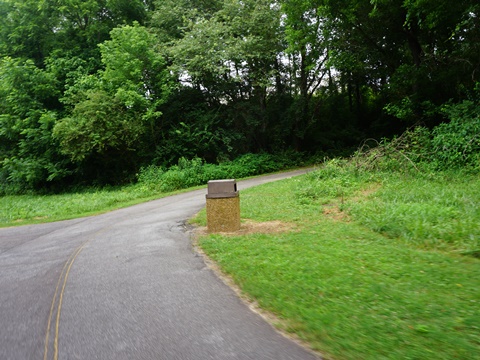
[(373, 266), (29, 209), (152, 182)]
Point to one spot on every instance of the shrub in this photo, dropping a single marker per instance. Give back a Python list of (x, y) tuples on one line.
[(410, 151), (150, 175), (457, 144), (449, 146), (188, 173)]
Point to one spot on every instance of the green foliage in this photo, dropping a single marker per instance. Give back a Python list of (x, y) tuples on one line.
[(334, 179), (230, 50), (194, 129), (135, 73), (249, 43), (26, 30), (115, 110), (412, 59), (97, 125), (57, 73), (28, 153), (456, 145), (418, 204), (220, 79), (449, 146), (195, 172), (189, 140), (406, 153), (171, 19)]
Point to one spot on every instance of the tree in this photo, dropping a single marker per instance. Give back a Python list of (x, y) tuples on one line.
[(114, 109), (113, 84), (231, 54), (418, 58), (308, 54), (135, 70), (26, 31), (98, 125), (28, 153), (170, 19)]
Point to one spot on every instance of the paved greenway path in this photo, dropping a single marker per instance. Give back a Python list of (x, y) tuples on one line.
[(125, 285)]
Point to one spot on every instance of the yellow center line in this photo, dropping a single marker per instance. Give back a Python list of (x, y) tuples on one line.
[(47, 336), (64, 275), (59, 309)]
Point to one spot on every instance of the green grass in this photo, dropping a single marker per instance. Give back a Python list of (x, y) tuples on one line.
[(153, 182), (30, 209), (354, 289), (440, 213)]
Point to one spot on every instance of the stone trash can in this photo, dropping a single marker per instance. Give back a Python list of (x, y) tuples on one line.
[(223, 206)]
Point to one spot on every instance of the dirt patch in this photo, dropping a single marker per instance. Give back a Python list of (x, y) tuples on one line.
[(333, 212), (367, 192), (252, 227)]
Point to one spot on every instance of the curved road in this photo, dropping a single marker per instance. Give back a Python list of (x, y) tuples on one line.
[(125, 285)]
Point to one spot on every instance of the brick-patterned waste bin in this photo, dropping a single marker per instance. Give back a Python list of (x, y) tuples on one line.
[(223, 206)]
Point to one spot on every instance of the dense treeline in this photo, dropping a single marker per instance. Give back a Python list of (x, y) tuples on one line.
[(90, 91)]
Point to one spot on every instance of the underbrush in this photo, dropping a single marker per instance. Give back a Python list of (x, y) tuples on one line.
[(450, 146), (195, 172)]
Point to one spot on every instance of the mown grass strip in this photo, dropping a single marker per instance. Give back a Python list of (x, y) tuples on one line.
[(30, 209)]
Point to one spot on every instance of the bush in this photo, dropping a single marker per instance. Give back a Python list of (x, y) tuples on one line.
[(457, 144), (188, 173), (449, 146), (410, 151), (150, 175)]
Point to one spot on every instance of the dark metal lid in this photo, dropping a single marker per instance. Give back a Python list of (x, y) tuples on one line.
[(222, 188)]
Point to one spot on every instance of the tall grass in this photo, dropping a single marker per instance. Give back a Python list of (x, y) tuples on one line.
[(437, 211), (440, 213)]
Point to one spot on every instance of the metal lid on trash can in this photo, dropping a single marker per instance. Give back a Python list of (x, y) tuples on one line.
[(222, 189)]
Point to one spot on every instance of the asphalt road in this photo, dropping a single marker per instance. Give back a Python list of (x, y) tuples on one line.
[(125, 285)]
